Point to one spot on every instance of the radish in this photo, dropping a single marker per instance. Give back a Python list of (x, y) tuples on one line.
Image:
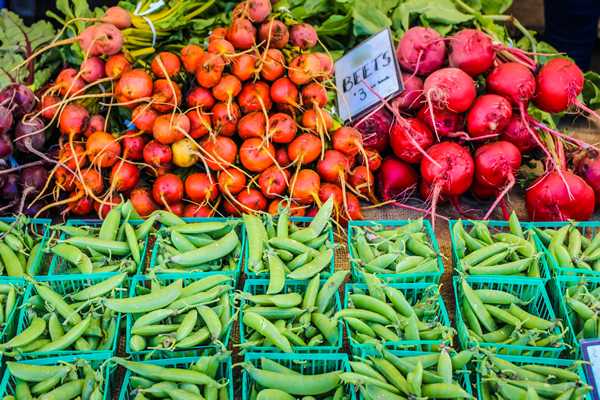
[(348, 140), (586, 166), (352, 211), (201, 97), (251, 201), (91, 181), (471, 51), (200, 123), (133, 143), (548, 198), (331, 189), (70, 83), (116, 16), (412, 97), (157, 154), (403, 146), (305, 149), (225, 118), (252, 125), (97, 123), (375, 129), (396, 179), (219, 153), (190, 57), (257, 155), (231, 181), (452, 175), (274, 34), (29, 136), (117, 65), (517, 133), (185, 153), (303, 68), (168, 189), (273, 182), (202, 188), (296, 210), (210, 70), (282, 128), (103, 149), (255, 97), (489, 116), (244, 67), (373, 159), (165, 95), (273, 65), (197, 211), (305, 186), (242, 34), (421, 50), (143, 202), (450, 90), (17, 98), (92, 69), (303, 36), (64, 179), (495, 166), (171, 65), (124, 176), (144, 117), (10, 191), (48, 108)]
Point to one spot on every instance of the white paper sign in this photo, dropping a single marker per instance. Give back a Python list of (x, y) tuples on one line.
[(590, 349), (375, 61)]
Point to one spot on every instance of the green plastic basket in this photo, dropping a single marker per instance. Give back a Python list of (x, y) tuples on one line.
[(10, 327), (464, 378), (413, 293), (357, 276), (587, 229), (303, 222), (497, 227), (306, 364), (59, 266), (525, 289), (63, 285), (146, 355), (224, 372), (7, 387), (259, 286), (40, 227), (557, 363), (235, 274)]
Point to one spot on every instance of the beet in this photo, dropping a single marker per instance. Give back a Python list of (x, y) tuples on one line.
[(396, 179), (6, 146), (10, 191), (18, 97), (375, 129), (33, 180), (6, 119), (586, 165), (30, 134)]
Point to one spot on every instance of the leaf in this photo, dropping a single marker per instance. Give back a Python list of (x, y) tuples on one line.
[(474, 4), (42, 76), (315, 6), (440, 11), (9, 60), (16, 36), (384, 5), (367, 20), (494, 7), (201, 24), (336, 25), (591, 92)]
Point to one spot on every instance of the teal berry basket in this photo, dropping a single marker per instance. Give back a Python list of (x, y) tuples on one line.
[(463, 378), (63, 286), (148, 355), (532, 290), (556, 363), (357, 276), (7, 387), (60, 267), (306, 364), (300, 221), (224, 372), (498, 227), (234, 273), (39, 228), (587, 229), (259, 287), (9, 326), (413, 292)]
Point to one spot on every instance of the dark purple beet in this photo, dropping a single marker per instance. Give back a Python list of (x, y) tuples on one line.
[(6, 119), (10, 191), (35, 208), (375, 129), (33, 180), (6, 146), (3, 177), (53, 155), (19, 98), (30, 134), (586, 164)]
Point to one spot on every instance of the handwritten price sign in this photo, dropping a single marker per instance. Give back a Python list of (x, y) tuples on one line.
[(375, 61)]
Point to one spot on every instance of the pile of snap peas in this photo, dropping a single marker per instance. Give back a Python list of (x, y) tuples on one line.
[(502, 379), (288, 251), (404, 250), (114, 247), (286, 319), (495, 316), (177, 317), (481, 252), (8, 304), (74, 322), (58, 381), (429, 375), (197, 381), (199, 247), (582, 308), (570, 249), (19, 248), (275, 381), (377, 312)]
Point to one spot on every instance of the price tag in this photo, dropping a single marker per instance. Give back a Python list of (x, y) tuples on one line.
[(590, 348), (375, 61)]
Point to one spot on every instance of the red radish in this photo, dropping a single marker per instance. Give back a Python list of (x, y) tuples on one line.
[(303, 36), (201, 188), (453, 173), (495, 166), (305, 186), (190, 57), (282, 158), (64, 179), (133, 143), (303, 68), (228, 87), (255, 97), (81, 206), (135, 84), (314, 94), (305, 149), (373, 159), (403, 147), (124, 176), (185, 152), (68, 160), (144, 117), (549, 199), (92, 69), (362, 180), (165, 95), (351, 161), (219, 153), (426, 193), (169, 128), (97, 124), (69, 83), (73, 120), (170, 62), (252, 125), (48, 107), (142, 201), (231, 181), (450, 90), (284, 91), (103, 149), (396, 179), (197, 211), (282, 128), (422, 50), (225, 119), (327, 67), (116, 65), (257, 155), (489, 116), (242, 34), (272, 67), (177, 208), (471, 51), (251, 200), (273, 182), (375, 129), (157, 154), (200, 123), (296, 210), (201, 97), (274, 33), (586, 166), (168, 189), (513, 81), (210, 70), (412, 97), (244, 67), (218, 33)]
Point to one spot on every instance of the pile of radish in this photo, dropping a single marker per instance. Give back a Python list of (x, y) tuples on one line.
[(244, 124)]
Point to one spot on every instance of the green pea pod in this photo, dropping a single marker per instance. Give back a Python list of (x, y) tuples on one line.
[(322, 260), (472, 243), (482, 232), (11, 262), (212, 321), (322, 216), (375, 286), (459, 242), (212, 252), (574, 246), (444, 366), (384, 333), (530, 321), (99, 289), (471, 318), (411, 331), (460, 360), (511, 268), (477, 307), (257, 236), (277, 276), (267, 329), (484, 253), (63, 309), (399, 301), (562, 257), (69, 338), (498, 336), (328, 329), (371, 303), (34, 331), (195, 339), (146, 303), (329, 289), (559, 238), (364, 369), (110, 226), (362, 247), (408, 263), (444, 390), (420, 248), (55, 328)]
